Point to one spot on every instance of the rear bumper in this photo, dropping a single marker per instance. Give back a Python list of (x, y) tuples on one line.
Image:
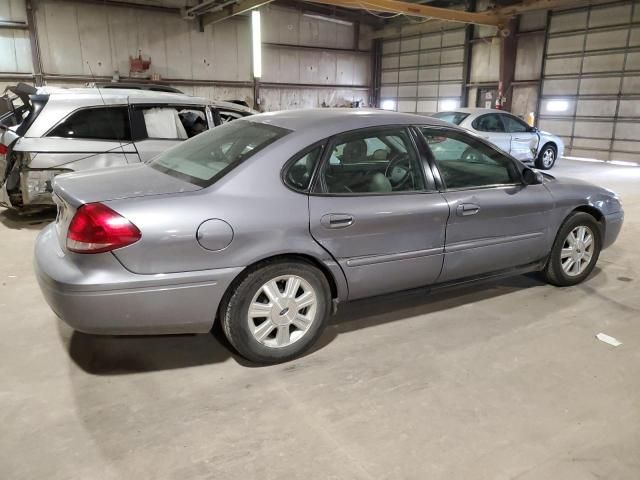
[(613, 224), (96, 294)]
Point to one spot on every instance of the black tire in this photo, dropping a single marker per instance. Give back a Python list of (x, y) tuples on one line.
[(548, 149), (553, 271), (234, 311)]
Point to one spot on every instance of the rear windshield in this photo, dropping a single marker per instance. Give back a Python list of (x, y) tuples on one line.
[(207, 157), (452, 117)]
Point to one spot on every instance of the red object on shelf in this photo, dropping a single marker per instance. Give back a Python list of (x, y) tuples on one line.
[(139, 64)]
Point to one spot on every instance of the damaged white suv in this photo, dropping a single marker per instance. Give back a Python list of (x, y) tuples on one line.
[(47, 131)]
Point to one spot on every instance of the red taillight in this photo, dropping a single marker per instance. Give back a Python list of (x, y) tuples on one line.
[(3, 149), (96, 228)]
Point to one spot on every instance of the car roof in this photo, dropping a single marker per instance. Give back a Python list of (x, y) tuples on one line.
[(477, 111), (87, 95), (329, 121)]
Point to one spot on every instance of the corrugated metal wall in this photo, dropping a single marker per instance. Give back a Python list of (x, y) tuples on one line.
[(85, 40), (15, 49), (591, 87), (424, 73)]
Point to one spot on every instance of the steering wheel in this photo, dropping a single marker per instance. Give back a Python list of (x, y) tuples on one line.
[(397, 174)]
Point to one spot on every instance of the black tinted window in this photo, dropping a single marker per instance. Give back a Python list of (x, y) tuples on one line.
[(104, 123), (467, 163), (488, 123), (514, 125)]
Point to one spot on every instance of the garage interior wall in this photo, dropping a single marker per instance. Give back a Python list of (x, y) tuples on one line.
[(424, 73), (591, 87), (79, 41)]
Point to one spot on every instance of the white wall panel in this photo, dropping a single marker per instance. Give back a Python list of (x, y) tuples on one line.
[(13, 10)]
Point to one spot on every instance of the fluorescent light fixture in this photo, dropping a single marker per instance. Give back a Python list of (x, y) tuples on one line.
[(388, 105), (446, 105), (256, 43), (557, 106), (327, 19)]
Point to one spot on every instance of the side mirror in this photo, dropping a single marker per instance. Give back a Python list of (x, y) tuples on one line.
[(533, 129), (532, 177)]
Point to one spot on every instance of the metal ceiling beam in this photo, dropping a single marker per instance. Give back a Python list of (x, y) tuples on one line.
[(393, 30), (239, 8), (490, 18), (332, 12)]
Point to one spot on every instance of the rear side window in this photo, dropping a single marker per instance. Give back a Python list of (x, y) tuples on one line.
[(298, 174), (207, 157), (104, 123), (452, 117)]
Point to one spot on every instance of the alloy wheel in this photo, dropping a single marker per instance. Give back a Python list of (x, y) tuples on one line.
[(548, 157), (282, 311), (577, 251)]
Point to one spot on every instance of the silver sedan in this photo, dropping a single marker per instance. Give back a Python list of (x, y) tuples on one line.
[(509, 133), (266, 224)]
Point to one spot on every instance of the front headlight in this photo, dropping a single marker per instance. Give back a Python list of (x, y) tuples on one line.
[(36, 184)]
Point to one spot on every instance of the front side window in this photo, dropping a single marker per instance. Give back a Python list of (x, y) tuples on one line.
[(379, 162), (467, 163), (230, 115), (514, 125), (102, 123), (488, 123), (205, 158)]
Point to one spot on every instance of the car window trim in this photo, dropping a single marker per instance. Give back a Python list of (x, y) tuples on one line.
[(294, 158), (93, 107), (434, 164), (318, 187)]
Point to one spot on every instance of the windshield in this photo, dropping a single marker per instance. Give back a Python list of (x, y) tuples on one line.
[(452, 117), (207, 157)]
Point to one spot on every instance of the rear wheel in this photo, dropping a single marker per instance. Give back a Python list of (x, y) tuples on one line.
[(277, 311), (547, 157), (575, 251)]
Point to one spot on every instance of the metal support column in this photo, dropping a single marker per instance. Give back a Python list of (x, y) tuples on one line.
[(508, 50), (36, 58)]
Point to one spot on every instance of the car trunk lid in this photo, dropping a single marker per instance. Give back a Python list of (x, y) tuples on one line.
[(116, 183)]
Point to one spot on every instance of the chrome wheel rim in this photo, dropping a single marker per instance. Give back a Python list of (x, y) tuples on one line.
[(577, 251), (282, 311), (548, 157)]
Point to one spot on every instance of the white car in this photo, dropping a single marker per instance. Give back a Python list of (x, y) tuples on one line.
[(509, 133), (46, 131)]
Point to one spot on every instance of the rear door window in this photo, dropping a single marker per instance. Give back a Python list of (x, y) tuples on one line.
[(174, 122), (101, 123)]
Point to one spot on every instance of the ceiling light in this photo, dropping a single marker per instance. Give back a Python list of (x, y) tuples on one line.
[(256, 38)]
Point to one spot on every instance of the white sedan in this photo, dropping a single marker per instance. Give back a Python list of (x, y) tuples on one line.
[(509, 133)]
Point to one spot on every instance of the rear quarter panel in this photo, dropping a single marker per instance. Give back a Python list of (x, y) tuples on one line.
[(267, 219)]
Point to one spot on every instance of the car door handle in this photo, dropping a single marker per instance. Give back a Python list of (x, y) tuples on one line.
[(465, 209), (336, 220)]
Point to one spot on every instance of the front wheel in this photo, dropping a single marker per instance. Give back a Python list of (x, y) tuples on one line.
[(575, 251), (546, 158), (277, 311)]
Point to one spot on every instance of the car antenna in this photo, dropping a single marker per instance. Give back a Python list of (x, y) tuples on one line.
[(115, 134)]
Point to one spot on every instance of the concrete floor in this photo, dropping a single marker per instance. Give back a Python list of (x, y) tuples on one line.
[(499, 381)]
